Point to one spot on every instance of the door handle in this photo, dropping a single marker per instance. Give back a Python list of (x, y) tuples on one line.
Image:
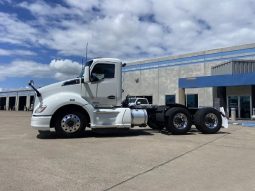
[(111, 97)]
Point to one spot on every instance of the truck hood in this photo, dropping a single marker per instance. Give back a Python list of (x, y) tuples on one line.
[(67, 85), (49, 89), (71, 85)]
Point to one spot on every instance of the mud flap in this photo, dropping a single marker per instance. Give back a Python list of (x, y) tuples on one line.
[(224, 118)]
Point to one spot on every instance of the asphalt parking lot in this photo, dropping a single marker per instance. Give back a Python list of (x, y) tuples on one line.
[(141, 159)]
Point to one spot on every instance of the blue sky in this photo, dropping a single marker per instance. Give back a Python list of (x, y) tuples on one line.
[(45, 40)]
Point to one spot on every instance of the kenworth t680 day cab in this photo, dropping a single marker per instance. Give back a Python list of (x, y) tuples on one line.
[(94, 99)]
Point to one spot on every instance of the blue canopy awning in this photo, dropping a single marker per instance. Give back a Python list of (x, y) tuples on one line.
[(218, 81)]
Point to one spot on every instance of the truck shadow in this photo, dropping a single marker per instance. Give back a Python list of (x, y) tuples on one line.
[(101, 134), (121, 133), (193, 131)]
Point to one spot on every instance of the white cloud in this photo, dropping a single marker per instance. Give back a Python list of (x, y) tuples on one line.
[(132, 29), (65, 69), (15, 31), (80, 4), (57, 69), (24, 68), (43, 9), (6, 52)]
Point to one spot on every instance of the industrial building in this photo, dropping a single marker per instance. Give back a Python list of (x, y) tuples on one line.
[(17, 100), (220, 77)]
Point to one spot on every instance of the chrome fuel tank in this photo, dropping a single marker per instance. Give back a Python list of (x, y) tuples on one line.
[(139, 117)]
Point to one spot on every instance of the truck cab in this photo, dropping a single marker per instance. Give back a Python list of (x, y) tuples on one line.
[(91, 100), (102, 87)]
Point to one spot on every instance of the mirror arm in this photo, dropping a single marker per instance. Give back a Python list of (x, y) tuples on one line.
[(32, 86)]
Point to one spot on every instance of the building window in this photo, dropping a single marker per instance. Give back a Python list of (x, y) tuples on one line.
[(169, 99), (149, 98), (192, 100)]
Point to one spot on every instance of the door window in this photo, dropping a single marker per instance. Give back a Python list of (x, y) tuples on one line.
[(101, 71)]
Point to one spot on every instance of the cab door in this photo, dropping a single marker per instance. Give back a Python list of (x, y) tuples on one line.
[(101, 91)]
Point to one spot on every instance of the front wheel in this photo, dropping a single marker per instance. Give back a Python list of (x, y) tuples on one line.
[(208, 120), (70, 123), (179, 121)]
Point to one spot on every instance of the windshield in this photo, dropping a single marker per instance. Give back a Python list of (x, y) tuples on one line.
[(83, 67), (131, 100)]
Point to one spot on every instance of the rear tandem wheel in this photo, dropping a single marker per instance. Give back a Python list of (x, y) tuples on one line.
[(208, 120), (179, 120)]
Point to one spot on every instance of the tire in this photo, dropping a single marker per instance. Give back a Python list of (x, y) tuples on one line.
[(70, 123), (179, 120), (208, 120), (154, 125)]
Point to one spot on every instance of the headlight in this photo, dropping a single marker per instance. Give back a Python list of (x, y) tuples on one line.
[(40, 109)]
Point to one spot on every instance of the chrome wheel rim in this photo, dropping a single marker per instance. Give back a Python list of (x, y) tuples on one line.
[(180, 121), (70, 123), (211, 121)]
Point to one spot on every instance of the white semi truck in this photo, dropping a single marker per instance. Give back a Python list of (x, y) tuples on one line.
[(94, 99)]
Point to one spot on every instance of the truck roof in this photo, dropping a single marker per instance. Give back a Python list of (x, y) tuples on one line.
[(107, 60)]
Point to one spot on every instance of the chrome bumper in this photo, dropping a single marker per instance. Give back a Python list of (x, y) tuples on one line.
[(41, 123)]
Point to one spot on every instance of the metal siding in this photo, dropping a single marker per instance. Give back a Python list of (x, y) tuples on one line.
[(221, 69), (217, 81), (250, 67), (234, 67)]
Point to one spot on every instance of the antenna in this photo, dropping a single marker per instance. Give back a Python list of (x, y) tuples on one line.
[(82, 61), (87, 51), (86, 58)]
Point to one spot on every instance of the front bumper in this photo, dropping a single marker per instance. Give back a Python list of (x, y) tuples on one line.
[(41, 123)]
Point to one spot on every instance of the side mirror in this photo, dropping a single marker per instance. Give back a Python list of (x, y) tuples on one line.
[(138, 103), (86, 74)]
